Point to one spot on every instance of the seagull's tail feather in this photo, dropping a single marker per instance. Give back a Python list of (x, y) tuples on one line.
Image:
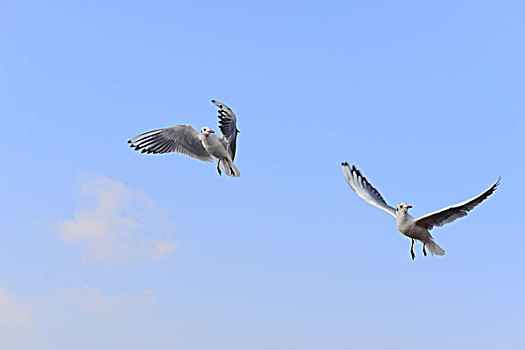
[(226, 168), (434, 248)]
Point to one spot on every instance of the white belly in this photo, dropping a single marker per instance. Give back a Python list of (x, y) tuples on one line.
[(407, 226)]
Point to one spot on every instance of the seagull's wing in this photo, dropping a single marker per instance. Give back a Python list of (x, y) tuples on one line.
[(228, 126), (454, 212), (363, 189), (180, 138)]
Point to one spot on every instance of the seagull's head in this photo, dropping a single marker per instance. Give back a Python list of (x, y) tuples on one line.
[(403, 207), (206, 131)]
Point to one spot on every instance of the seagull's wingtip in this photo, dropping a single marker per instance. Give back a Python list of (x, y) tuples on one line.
[(344, 163)]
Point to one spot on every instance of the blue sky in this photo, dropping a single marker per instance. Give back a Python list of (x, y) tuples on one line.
[(102, 247)]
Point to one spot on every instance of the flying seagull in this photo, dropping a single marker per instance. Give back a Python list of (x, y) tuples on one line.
[(416, 229), (206, 147)]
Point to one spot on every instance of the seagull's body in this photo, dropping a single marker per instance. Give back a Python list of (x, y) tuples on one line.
[(407, 225), (205, 146), (217, 146), (416, 229)]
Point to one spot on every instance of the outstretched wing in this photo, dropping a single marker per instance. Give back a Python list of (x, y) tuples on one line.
[(228, 126), (180, 138), (454, 212), (363, 189)]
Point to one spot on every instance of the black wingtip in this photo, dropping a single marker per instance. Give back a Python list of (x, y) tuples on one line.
[(212, 101), (129, 141), (344, 163)]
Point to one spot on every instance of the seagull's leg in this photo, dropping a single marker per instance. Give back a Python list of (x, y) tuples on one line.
[(218, 168), (424, 251), (412, 250)]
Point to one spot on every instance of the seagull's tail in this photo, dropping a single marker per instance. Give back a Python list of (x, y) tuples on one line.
[(226, 168), (434, 248)]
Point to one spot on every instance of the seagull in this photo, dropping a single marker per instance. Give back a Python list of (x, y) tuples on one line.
[(206, 147), (416, 229)]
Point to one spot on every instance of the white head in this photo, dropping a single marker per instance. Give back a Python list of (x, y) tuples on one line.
[(206, 131), (403, 208)]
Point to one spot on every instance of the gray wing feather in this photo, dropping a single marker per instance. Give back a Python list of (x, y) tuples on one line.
[(228, 126), (454, 212), (180, 138), (364, 189)]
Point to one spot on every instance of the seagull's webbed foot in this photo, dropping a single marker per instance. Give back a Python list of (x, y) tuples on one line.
[(218, 167), (412, 251), (424, 251)]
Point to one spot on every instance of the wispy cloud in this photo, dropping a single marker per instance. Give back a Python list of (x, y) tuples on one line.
[(90, 301), (117, 224), (12, 311), (40, 322), (18, 321)]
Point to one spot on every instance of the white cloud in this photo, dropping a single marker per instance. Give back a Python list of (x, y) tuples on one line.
[(12, 311), (117, 224), (75, 318), (89, 300), (18, 322)]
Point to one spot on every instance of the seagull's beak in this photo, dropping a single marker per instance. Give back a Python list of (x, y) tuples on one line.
[(211, 132), (409, 206)]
